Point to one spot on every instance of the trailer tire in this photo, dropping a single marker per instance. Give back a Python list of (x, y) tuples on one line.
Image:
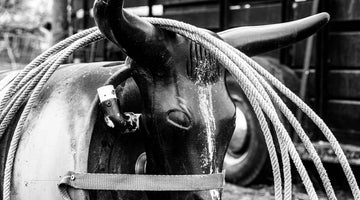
[(247, 159), (247, 154)]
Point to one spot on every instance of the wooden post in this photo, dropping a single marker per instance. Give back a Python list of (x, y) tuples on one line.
[(286, 15), (321, 65), (224, 14), (60, 23)]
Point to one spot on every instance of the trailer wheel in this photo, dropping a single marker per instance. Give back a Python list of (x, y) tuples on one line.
[(247, 159), (247, 153)]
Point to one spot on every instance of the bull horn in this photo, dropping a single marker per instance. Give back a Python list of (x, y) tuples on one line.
[(253, 40), (139, 39)]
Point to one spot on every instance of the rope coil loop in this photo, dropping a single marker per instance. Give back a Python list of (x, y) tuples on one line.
[(253, 79)]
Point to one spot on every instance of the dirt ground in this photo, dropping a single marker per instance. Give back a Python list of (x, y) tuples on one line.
[(262, 192)]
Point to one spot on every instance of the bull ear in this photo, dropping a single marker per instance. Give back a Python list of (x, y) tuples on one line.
[(139, 39), (253, 40)]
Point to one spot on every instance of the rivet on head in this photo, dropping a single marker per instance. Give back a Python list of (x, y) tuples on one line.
[(72, 177)]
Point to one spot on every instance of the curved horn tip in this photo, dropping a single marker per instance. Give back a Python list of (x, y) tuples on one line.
[(324, 16), (253, 40)]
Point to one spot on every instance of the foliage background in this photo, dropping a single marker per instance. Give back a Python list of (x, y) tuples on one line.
[(24, 31)]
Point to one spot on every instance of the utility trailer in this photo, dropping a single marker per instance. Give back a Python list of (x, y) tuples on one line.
[(332, 88)]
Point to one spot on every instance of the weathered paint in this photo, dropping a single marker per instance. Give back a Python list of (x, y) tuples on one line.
[(205, 72), (57, 134), (206, 109), (215, 194)]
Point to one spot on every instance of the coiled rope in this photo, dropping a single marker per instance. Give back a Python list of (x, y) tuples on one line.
[(252, 78), (54, 58)]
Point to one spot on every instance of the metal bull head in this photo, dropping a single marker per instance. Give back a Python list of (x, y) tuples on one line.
[(188, 115), (179, 83)]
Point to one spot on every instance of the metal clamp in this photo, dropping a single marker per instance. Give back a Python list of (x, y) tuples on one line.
[(113, 116)]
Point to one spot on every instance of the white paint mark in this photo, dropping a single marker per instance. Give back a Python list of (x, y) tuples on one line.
[(206, 109), (106, 93), (215, 194)]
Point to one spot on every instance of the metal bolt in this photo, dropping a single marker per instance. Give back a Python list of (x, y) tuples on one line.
[(72, 177)]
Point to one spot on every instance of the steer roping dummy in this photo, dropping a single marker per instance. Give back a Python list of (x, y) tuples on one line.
[(183, 122)]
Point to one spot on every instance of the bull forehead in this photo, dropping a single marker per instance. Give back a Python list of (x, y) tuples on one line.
[(187, 59), (188, 79), (201, 66)]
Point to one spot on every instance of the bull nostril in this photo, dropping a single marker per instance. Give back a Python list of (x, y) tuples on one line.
[(179, 119)]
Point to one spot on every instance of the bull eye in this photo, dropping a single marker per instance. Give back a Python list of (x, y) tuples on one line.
[(179, 119)]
